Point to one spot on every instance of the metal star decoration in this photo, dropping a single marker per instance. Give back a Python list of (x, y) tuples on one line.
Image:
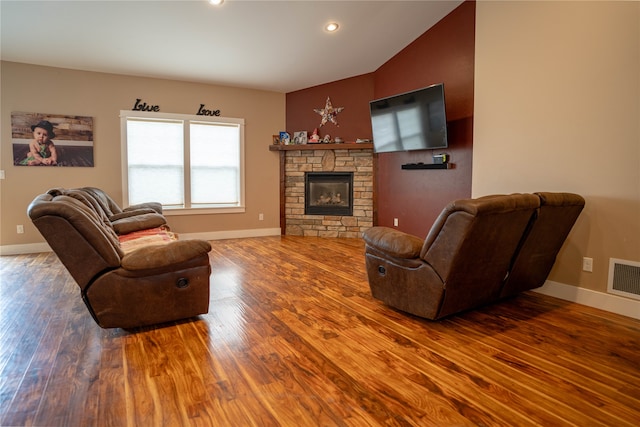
[(328, 113)]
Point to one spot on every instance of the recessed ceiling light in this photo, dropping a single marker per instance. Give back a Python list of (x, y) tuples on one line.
[(331, 27), (216, 2)]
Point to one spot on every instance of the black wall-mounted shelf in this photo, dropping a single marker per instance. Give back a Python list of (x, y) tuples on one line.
[(426, 166)]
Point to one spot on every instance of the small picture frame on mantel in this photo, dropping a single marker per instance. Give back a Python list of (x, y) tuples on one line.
[(275, 139), (300, 137), (285, 138)]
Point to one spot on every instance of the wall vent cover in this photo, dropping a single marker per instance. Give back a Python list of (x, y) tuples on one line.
[(624, 278)]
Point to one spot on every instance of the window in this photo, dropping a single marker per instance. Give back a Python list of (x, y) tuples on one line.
[(185, 162)]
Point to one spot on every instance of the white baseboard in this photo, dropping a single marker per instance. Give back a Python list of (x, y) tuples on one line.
[(33, 248), (231, 234), (603, 301), (30, 248)]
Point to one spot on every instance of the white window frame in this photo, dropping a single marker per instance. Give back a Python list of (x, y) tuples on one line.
[(186, 119)]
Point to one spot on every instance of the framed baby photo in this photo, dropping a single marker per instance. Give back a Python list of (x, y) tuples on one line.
[(40, 139)]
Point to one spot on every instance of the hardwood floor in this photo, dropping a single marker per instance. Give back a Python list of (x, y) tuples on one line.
[(294, 338)]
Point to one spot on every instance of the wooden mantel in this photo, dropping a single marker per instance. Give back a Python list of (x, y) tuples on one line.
[(322, 146)]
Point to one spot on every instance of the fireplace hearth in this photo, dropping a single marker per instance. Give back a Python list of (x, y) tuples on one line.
[(328, 193)]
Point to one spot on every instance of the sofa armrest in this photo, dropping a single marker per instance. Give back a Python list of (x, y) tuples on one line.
[(393, 242), (138, 222), (155, 206), (159, 256), (130, 213)]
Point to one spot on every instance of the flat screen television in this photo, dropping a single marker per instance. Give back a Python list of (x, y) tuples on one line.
[(410, 121)]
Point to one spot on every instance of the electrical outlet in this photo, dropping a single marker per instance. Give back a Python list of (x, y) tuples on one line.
[(260, 217), (587, 264), (395, 222), (19, 229), (1, 174)]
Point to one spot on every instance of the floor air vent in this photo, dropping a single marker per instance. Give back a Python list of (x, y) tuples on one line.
[(624, 278)]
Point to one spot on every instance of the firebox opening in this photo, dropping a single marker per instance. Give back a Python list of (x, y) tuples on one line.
[(328, 193)]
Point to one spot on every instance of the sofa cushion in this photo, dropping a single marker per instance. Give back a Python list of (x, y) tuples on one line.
[(94, 216), (130, 213), (138, 222)]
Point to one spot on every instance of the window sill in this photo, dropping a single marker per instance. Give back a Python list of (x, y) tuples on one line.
[(166, 211)]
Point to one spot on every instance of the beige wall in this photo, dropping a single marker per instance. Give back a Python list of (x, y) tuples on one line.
[(59, 91), (557, 108)]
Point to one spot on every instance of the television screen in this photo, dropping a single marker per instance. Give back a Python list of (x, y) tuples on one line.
[(410, 121)]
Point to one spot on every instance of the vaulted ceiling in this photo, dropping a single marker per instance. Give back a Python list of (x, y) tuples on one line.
[(271, 45)]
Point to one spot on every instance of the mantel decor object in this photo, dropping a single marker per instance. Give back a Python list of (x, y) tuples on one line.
[(300, 137), (285, 138), (328, 113)]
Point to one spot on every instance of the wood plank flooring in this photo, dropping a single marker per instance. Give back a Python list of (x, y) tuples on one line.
[(294, 338)]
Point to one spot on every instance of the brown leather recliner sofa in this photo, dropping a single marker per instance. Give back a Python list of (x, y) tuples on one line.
[(477, 252), (141, 275)]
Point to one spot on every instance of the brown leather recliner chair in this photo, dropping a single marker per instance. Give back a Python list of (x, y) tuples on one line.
[(468, 255), (149, 285)]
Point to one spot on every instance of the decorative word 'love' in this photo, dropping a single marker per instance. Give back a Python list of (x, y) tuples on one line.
[(204, 112), (144, 107)]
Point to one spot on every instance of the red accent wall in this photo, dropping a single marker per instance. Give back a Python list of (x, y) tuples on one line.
[(353, 94), (444, 53)]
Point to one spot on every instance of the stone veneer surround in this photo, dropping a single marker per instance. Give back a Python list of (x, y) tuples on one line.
[(356, 160)]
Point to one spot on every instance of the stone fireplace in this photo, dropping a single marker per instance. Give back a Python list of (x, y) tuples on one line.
[(301, 215), (328, 193)]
